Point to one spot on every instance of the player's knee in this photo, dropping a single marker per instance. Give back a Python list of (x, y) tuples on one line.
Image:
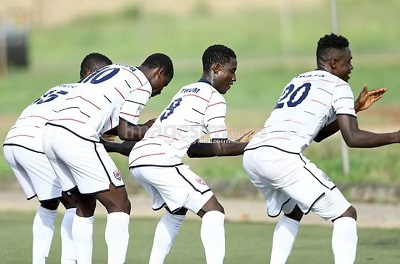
[(296, 214), (51, 204), (68, 201), (117, 204), (213, 205), (350, 212)]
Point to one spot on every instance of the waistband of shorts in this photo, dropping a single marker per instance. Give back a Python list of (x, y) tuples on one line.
[(270, 146)]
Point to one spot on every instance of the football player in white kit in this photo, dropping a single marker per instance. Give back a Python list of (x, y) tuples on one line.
[(110, 98), (23, 151), (313, 106), (156, 161)]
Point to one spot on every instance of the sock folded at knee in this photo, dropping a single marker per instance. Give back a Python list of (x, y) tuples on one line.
[(82, 234), (164, 237), (344, 240), (68, 255), (117, 237), (285, 234), (213, 236), (43, 232)]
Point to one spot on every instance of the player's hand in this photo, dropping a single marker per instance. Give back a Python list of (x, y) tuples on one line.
[(109, 137), (367, 98), (149, 123), (246, 136)]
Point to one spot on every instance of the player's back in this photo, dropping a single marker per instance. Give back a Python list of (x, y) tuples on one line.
[(96, 108), (308, 103), (27, 129), (188, 117)]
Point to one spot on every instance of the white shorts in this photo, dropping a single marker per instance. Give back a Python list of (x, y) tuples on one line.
[(80, 162), (33, 171), (286, 179), (177, 187)]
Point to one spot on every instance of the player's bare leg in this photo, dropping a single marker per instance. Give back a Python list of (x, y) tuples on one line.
[(117, 228), (285, 234), (43, 230), (344, 237), (68, 255), (213, 230), (165, 234)]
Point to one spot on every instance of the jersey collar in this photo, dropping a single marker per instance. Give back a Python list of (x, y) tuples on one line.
[(205, 81)]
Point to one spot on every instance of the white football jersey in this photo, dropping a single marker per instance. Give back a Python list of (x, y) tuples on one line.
[(27, 131), (196, 110), (308, 103), (106, 95)]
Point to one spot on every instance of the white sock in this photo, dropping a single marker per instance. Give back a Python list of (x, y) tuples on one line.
[(344, 240), (117, 237), (43, 231), (164, 237), (213, 236), (68, 255), (82, 234), (285, 234)]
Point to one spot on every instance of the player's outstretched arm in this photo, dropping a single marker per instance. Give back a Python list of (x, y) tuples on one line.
[(357, 138), (246, 136), (200, 150), (364, 101), (206, 150), (123, 148), (128, 131)]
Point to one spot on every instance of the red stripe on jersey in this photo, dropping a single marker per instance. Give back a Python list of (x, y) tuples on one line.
[(69, 119), (119, 92), (128, 114), (155, 154), (196, 96), (217, 104), (314, 80), (273, 139), (141, 84), (86, 100), (165, 137), (318, 102), (343, 84), (21, 136), (143, 90), (343, 107), (34, 116), (329, 81), (218, 131), (294, 121)]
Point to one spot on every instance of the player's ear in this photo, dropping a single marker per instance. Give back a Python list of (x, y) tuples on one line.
[(161, 73), (216, 68), (333, 63)]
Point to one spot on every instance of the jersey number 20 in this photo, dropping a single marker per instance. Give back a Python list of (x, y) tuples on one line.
[(290, 95)]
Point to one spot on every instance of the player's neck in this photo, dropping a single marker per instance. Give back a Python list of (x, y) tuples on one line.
[(321, 68)]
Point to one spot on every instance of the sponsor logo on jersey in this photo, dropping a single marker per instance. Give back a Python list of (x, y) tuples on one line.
[(117, 175), (190, 90), (201, 181), (326, 177)]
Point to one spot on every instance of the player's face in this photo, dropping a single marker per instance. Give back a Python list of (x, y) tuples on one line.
[(343, 65), (159, 83), (225, 76)]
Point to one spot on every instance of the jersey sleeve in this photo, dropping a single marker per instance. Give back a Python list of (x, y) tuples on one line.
[(214, 118), (134, 104), (343, 99)]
